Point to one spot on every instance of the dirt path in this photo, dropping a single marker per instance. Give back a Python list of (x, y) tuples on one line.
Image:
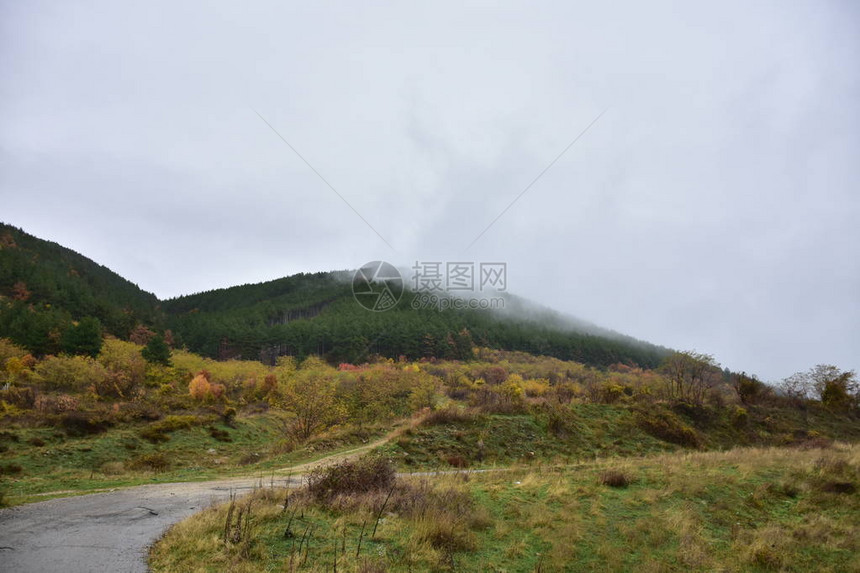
[(112, 531)]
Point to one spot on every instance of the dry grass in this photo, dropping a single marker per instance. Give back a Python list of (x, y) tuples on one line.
[(752, 509)]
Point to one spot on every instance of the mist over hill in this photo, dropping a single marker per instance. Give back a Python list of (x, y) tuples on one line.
[(45, 289)]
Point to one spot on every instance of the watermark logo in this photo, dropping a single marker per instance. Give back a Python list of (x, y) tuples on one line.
[(377, 286), (444, 285)]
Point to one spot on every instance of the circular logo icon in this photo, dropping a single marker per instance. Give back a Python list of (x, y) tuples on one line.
[(377, 286)]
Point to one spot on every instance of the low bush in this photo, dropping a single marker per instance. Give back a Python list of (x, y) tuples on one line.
[(220, 435), (448, 415), (366, 474), (20, 396), (153, 435), (81, 424), (11, 469), (6, 436), (156, 462), (835, 475), (135, 411), (559, 419), (248, 459), (112, 468), (447, 536), (667, 426), (56, 404), (156, 432), (173, 423), (69, 373), (615, 478)]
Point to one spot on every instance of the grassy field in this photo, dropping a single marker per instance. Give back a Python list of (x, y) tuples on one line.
[(39, 463), (746, 509), (457, 437)]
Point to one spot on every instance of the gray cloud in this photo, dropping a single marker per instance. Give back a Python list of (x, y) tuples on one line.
[(714, 206)]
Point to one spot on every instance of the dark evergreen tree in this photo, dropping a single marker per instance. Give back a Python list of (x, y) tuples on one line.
[(156, 351), (85, 337)]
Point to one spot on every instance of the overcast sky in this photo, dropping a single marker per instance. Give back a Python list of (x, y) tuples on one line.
[(713, 206)]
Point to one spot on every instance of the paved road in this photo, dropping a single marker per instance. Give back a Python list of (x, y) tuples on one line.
[(111, 532), (103, 532)]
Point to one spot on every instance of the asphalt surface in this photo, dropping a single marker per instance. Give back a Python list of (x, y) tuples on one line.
[(102, 532), (112, 532)]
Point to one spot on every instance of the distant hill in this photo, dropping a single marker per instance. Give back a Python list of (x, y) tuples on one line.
[(317, 314), (44, 287)]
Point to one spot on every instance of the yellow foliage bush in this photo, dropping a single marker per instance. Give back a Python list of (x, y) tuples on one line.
[(199, 387)]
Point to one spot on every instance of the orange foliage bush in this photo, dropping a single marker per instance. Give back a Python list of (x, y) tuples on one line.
[(217, 391), (199, 387)]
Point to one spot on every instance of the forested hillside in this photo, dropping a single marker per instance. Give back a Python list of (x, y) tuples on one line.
[(54, 300), (316, 314)]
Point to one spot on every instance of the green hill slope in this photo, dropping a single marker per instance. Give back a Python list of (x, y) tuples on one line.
[(316, 314), (45, 287)]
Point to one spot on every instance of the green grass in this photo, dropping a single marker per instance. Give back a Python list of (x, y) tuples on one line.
[(753, 509), (67, 465), (596, 431)]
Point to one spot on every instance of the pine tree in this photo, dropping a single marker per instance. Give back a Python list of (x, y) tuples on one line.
[(85, 337), (157, 351)]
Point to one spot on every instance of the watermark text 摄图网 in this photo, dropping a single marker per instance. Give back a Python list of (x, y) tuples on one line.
[(460, 285)]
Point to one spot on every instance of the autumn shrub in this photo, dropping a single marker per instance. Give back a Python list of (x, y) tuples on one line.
[(449, 415), (362, 475), (228, 416), (200, 388), (153, 435), (494, 374), (19, 396), (157, 432), (447, 519), (69, 373), (447, 536), (7, 436), (80, 424), (615, 478), (11, 469), (502, 399), (10, 350), (740, 417), (177, 422), (559, 418), (608, 392), (311, 397), (270, 382), (217, 391), (17, 370), (137, 411), (155, 461), (250, 458), (834, 474), (667, 426), (112, 468), (535, 388), (125, 366), (220, 435)]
